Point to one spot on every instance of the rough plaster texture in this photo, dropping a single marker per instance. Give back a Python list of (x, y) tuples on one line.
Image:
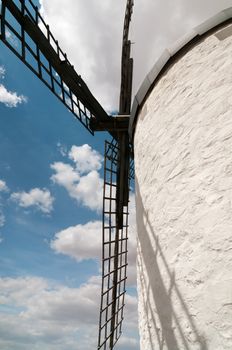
[(183, 163)]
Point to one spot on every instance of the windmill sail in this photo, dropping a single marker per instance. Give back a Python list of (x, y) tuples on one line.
[(126, 64), (114, 254), (25, 32), (118, 171)]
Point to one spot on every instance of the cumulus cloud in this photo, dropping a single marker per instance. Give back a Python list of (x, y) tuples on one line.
[(62, 149), (3, 186), (38, 313), (85, 158), (42, 314), (81, 179), (41, 199), (98, 46), (18, 290), (81, 242), (65, 175), (89, 190), (9, 98), (2, 219), (63, 304), (2, 72)]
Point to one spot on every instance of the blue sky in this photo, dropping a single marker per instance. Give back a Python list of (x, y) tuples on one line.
[(30, 138), (48, 266)]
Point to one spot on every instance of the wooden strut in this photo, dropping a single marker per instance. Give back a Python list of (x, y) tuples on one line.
[(122, 199), (122, 194)]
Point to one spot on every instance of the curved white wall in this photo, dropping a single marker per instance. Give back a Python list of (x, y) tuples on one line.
[(183, 163)]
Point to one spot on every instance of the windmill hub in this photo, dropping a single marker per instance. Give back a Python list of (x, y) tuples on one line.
[(118, 123)]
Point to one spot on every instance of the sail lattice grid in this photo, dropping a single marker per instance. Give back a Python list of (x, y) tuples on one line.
[(25, 32), (114, 256)]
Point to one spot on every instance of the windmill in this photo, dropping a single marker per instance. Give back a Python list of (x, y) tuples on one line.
[(25, 33)]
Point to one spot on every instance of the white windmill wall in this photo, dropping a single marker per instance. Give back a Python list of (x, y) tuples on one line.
[(183, 166)]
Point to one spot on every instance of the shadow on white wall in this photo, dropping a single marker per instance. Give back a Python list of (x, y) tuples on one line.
[(164, 326)]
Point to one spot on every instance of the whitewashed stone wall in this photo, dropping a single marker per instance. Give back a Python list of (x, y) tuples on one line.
[(183, 161)]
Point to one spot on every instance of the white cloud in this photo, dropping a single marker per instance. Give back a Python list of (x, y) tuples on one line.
[(128, 343), (81, 180), (63, 304), (2, 219), (18, 290), (41, 199), (40, 314), (89, 190), (80, 242), (2, 72), (98, 46), (12, 39), (3, 186), (9, 98), (83, 242), (85, 158), (62, 149), (65, 175)]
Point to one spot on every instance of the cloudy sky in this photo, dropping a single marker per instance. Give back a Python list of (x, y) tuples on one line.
[(51, 173), (91, 31)]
